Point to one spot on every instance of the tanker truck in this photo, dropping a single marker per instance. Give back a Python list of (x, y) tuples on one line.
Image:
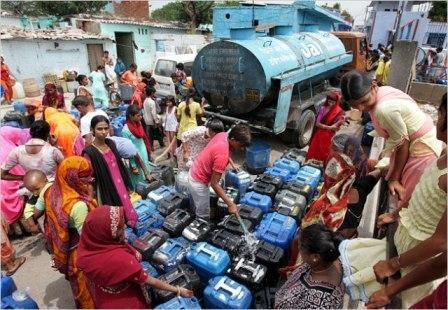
[(269, 67)]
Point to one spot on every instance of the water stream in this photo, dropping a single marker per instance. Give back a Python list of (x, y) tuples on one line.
[(250, 246)]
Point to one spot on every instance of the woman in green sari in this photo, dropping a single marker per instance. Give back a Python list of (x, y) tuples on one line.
[(134, 131)]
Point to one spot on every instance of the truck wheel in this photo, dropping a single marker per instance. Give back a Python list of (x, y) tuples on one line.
[(305, 130)]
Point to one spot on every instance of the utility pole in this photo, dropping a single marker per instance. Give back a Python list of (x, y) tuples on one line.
[(397, 25)]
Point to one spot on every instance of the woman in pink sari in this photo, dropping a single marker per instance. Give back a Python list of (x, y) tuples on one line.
[(410, 133), (11, 203)]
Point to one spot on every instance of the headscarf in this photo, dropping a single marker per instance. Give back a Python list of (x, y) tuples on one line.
[(66, 190), (136, 128), (138, 94), (103, 258), (54, 100), (16, 136)]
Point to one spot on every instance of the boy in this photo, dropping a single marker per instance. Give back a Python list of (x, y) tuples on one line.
[(209, 166), (37, 183)]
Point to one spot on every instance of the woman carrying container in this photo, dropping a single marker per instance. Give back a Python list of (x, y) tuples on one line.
[(410, 133), (317, 283), (134, 131), (111, 177), (112, 266), (329, 119)]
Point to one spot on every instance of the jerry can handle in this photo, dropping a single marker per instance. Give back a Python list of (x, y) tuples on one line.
[(234, 292)]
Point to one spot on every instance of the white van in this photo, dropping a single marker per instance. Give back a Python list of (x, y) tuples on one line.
[(165, 66)]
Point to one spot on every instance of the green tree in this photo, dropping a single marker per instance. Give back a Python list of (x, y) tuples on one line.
[(437, 13), (191, 12), (337, 6), (55, 8)]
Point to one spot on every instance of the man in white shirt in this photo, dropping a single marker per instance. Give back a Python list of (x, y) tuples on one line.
[(151, 118), (85, 107)]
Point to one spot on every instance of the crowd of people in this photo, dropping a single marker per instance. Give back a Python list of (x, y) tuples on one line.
[(81, 178)]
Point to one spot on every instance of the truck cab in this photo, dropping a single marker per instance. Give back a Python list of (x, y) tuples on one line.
[(356, 43), (164, 66)]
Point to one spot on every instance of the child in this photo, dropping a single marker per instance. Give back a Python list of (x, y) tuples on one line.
[(170, 124), (37, 183)]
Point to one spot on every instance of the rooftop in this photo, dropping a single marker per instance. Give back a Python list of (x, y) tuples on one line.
[(69, 34), (109, 19)]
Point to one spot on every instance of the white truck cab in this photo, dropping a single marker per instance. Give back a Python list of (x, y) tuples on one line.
[(165, 66)]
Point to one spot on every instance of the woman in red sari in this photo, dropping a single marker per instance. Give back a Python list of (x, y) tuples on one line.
[(329, 119), (112, 266), (53, 98), (6, 81)]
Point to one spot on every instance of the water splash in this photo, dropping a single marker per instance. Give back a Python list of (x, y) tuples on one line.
[(249, 246)]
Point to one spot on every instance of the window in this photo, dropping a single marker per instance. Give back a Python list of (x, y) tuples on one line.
[(165, 67), (138, 30), (387, 10), (160, 46), (436, 39)]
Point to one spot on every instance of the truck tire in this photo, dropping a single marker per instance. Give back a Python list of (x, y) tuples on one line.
[(306, 127)]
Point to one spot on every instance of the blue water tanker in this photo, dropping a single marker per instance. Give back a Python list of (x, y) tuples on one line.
[(268, 73)]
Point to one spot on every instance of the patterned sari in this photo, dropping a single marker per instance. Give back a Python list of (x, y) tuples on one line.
[(111, 265), (331, 206), (61, 239)]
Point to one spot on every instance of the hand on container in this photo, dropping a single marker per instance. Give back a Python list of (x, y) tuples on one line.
[(385, 268), (181, 291), (386, 219), (379, 299), (233, 209)]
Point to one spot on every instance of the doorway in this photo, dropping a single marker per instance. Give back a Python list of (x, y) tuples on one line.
[(95, 54), (125, 47)]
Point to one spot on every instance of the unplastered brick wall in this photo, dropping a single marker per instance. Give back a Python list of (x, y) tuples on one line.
[(132, 9)]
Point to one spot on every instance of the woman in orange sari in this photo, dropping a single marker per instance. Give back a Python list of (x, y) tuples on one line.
[(63, 126), (67, 203), (6, 81), (329, 119)]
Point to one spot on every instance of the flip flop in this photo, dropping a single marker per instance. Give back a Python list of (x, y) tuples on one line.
[(20, 262)]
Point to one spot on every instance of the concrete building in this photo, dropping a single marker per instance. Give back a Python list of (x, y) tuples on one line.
[(384, 22), (35, 53), (139, 41)]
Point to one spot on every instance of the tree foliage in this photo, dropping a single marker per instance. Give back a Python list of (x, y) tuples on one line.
[(55, 8), (191, 12), (337, 6), (438, 11)]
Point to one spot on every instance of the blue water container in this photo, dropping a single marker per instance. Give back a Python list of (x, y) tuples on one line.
[(257, 200), (238, 179), (120, 119), (258, 155), (209, 261), (118, 128), (8, 286), (171, 254), (180, 303), (306, 178), (144, 206), (149, 269), (19, 106), (123, 107), (313, 171), (162, 192), (19, 300), (130, 235), (224, 293), (277, 229), (149, 220), (291, 165), (284, 174), (75, 113)]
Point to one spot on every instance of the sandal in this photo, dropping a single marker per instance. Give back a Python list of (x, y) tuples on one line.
[(17, 263)]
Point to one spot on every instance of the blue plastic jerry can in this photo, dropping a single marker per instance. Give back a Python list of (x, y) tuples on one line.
[(208, 260), (162, 192), (180, 303), (19, 300), (8, 286), (224, 293), (257, 200), (171, 253), (149, 269), (291, 165), (284, 174), (277, 229), (130, 235), (313, 171)]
